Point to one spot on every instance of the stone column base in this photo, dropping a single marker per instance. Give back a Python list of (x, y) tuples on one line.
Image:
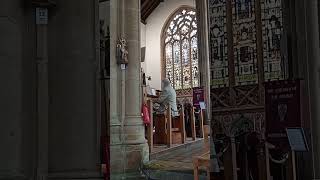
[(124, 158)]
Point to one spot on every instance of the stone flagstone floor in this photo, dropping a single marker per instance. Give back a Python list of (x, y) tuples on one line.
[(175, 164)]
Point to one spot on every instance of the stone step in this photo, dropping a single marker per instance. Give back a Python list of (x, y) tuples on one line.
[(169, 175)]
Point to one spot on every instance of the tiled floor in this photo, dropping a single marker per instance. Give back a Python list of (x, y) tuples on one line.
[(161, 147), (177, 162)]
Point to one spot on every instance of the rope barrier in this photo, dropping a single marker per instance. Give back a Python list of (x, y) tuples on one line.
[(282, 161)]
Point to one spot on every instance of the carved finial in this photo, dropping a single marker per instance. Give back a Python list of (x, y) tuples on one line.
[(123, 52)]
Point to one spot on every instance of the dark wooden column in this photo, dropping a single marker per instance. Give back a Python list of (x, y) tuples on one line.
[(259, 50), (231, 66)]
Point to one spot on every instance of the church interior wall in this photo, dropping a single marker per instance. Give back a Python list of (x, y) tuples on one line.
[(155, 23)]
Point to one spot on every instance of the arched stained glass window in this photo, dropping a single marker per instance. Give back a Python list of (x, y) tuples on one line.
[(181, 49)]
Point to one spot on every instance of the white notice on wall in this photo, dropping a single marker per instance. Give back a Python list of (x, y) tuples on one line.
[(202, 105), (41, 16), (123, 66)]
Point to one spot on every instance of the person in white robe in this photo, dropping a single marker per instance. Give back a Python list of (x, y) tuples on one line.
[(168, 97)]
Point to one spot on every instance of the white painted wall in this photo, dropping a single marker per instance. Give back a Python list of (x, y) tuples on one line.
[(154, 25)]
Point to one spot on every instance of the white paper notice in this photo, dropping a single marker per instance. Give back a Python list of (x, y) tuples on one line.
[(202, 105), (153, 91)]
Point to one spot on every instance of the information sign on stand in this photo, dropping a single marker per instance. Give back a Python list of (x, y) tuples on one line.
[(297, 139)]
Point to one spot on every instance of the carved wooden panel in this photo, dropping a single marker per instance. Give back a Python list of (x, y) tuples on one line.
[(184, 96), (220, 98), (235, 97), (224, 123), (246, 95)]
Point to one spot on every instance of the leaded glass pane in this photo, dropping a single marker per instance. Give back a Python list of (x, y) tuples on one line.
[(245, 42), (186, 64), (169, 65), (182, 68), (272, 30), (218, 43), (177, 66), (195, 64), (245, 48), (193, 33)]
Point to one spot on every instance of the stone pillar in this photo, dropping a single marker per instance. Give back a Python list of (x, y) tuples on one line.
[(129, 148), (10, 93), (18, 91), (203, 48), (43, 101), (74, 139), (135, 142), (204, 64), (313, 57)]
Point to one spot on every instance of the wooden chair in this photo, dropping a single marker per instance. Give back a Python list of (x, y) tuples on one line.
[(204, 159)]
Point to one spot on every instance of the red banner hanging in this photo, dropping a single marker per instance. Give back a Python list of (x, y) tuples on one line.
[(282, 107)]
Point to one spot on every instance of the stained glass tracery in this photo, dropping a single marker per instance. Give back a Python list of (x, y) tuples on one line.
[(181, 50), (244, 32), (272, 21), (245, 48), (218, 43)]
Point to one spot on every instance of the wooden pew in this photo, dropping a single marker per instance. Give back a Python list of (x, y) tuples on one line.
[(204, 159), (169, 130), (175, 126), (202, 124), (193, 124)]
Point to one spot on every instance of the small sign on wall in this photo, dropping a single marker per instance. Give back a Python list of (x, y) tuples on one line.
[(41, 16)]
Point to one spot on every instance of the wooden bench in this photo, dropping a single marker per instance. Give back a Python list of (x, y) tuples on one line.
[(175, 128), (173, 134), (204, 159), (168, 130)]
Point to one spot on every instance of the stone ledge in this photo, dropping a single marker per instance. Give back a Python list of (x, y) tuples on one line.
[(127, 176), (75, 175)]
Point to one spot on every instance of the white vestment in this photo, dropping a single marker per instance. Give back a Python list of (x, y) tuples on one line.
[(168, 97)]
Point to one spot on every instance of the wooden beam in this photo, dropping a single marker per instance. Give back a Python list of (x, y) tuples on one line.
[(169, 126), (193, 125), (147, 7), (201, 124), (183, 126)]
